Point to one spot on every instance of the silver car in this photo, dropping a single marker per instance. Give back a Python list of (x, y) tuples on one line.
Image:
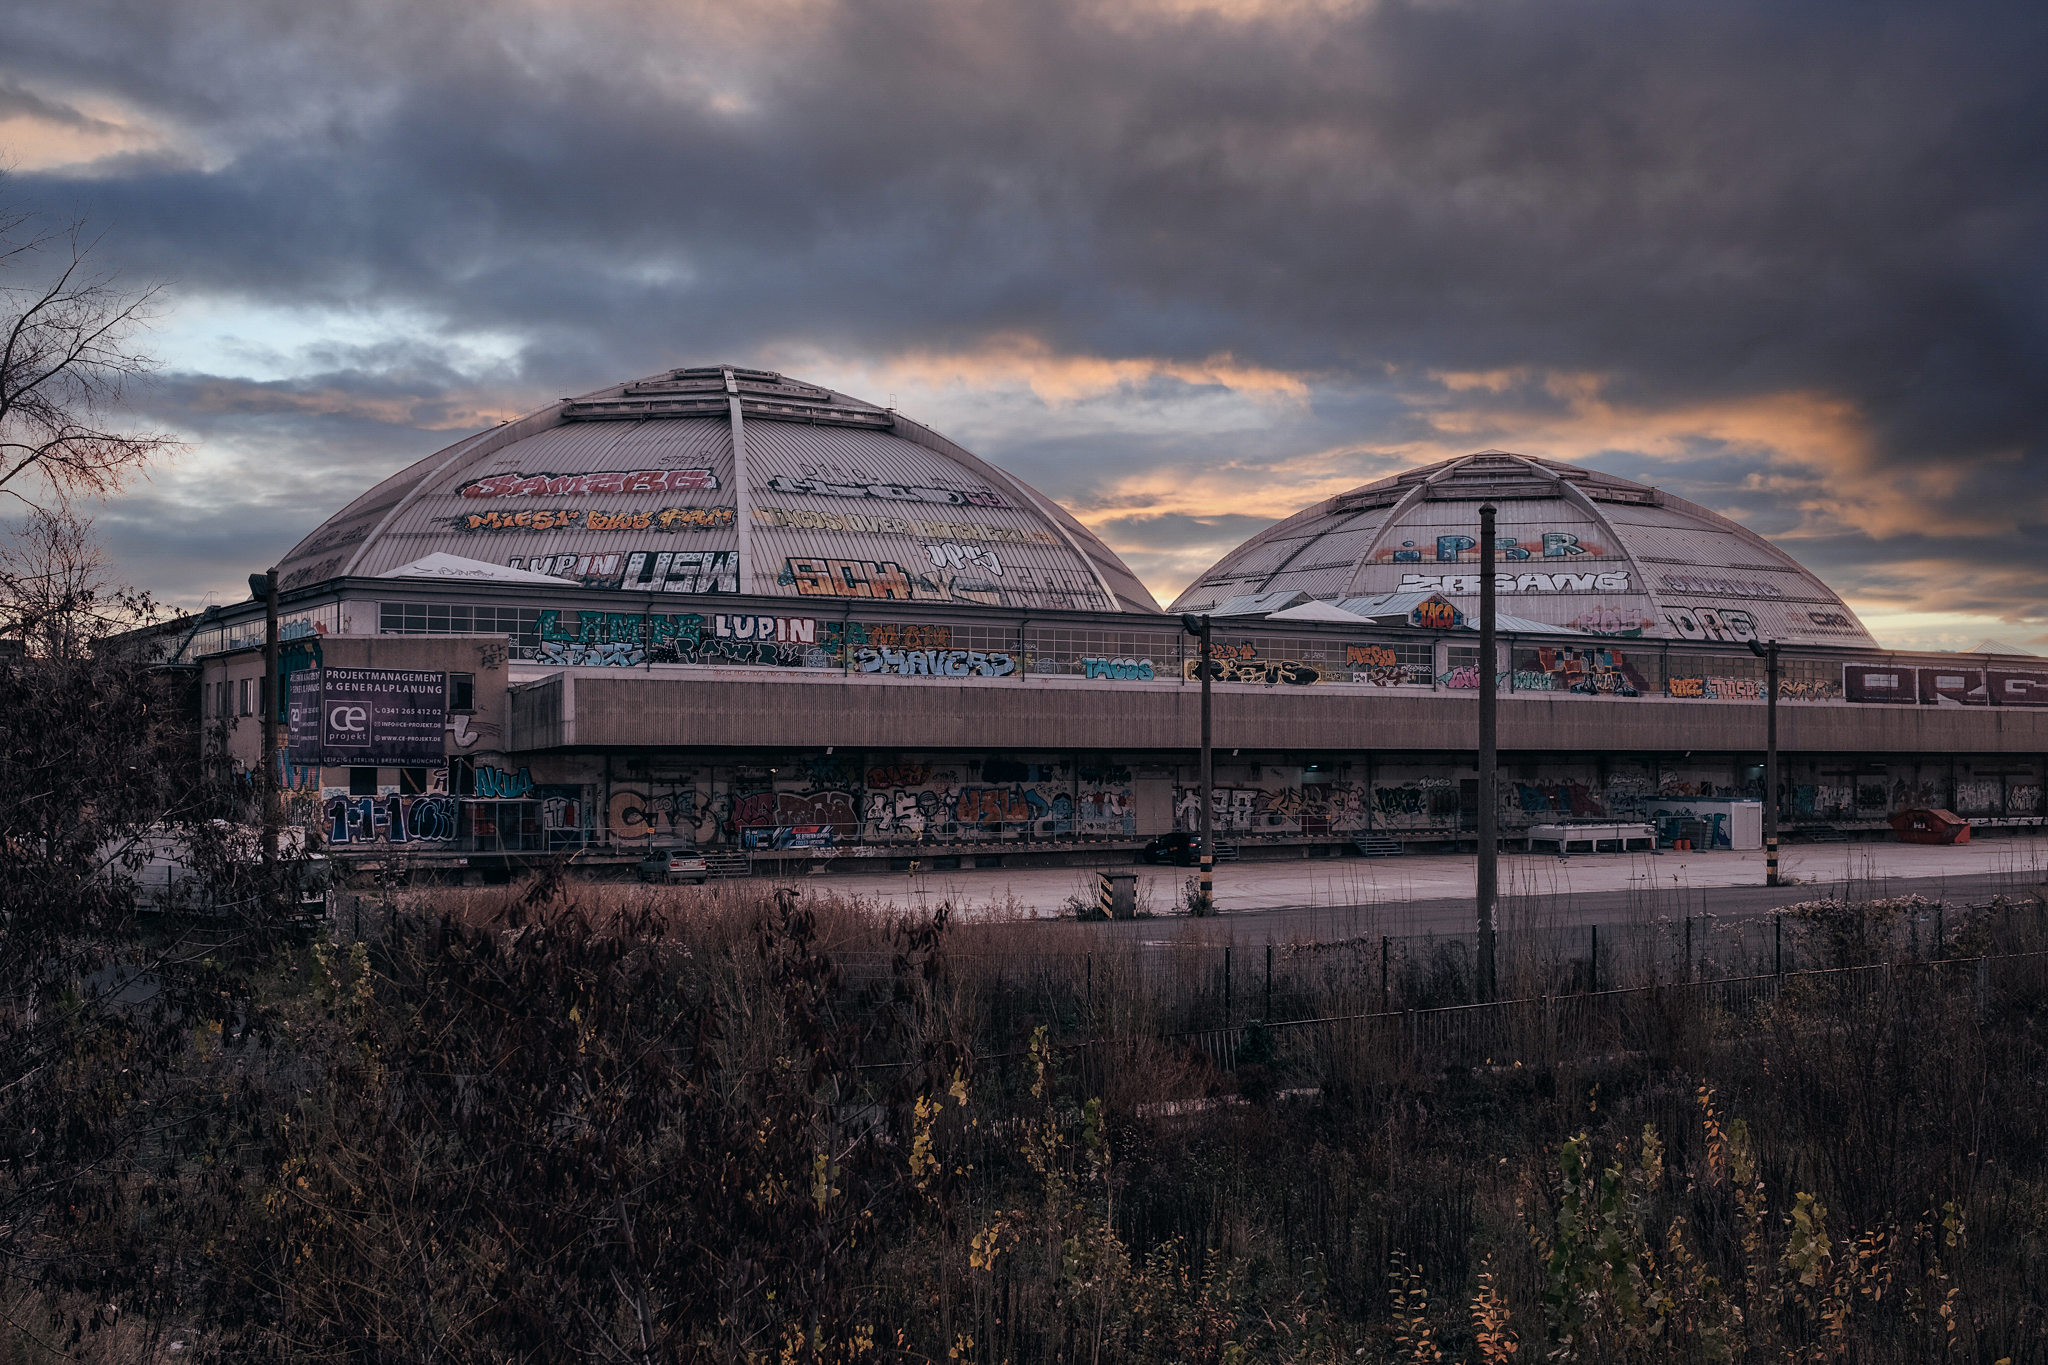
[(674, 865)]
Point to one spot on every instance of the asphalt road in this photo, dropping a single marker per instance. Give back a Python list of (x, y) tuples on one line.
[(1459, 914), (1333, 899)]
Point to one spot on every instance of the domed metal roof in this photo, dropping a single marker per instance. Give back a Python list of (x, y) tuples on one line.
[(721, 480), (1577, 548)]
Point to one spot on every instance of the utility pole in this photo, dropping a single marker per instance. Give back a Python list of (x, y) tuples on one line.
[(1489, 755), (264, 585), (1198, 626), (1769, 654)]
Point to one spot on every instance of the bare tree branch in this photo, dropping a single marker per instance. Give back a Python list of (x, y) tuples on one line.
[(67, 354)]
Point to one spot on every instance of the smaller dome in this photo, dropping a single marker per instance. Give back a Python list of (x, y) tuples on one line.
[(1576, 548)]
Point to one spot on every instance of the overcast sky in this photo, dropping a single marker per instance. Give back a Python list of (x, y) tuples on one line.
[(1185, 266)]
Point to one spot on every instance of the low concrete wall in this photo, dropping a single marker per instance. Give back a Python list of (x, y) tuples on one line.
[(597, 708)]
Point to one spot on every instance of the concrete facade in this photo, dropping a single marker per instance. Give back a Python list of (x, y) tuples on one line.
[(622, 711), (907, 732)]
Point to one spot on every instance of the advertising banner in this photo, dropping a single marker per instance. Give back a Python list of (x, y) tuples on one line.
[(302, 715), (368, 717)]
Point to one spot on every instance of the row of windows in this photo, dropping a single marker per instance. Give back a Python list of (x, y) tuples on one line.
[(455, 618)]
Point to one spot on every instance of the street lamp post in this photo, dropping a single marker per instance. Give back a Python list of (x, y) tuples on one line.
[(264, 587), (1769, 654), (1198, 626), (1489, 754)]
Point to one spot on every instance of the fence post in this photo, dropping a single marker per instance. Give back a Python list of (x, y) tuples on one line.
[(1226, 988), (1688, 947), (1091, 985), (1268, 1016), (1940, 939), (1593, 983), (1778, 950), (1383, 972)]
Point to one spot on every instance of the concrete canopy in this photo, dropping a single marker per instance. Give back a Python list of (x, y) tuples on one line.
[(1577, 549)]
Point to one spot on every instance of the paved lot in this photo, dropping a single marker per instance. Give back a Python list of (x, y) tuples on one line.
[(1341, 898)]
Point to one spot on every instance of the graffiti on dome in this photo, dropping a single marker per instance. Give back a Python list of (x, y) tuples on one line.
[(1719, 587), (891, 492), (1456, 546), (806, 519), (578, 566), (951, 554), (1606, 618), (590, 519), (1730, 624), (884, 579), (700, 571), (1465, 585), (515, 485)]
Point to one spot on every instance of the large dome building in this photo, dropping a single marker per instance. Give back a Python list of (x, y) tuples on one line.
[(722, 480), (1578, 549), (723, 607)]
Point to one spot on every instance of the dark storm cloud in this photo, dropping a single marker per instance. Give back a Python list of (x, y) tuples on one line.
[(1697, 204)]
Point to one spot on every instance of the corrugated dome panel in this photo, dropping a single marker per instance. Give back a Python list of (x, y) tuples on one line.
[(939, 534), (635, 488), (576, 502), (1577, 548)]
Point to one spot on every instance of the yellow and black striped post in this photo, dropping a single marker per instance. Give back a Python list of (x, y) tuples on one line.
[(1105, 895), (1768, 652), (1198, 626)]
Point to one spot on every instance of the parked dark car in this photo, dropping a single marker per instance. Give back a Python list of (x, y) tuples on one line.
[(1183, 850)]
